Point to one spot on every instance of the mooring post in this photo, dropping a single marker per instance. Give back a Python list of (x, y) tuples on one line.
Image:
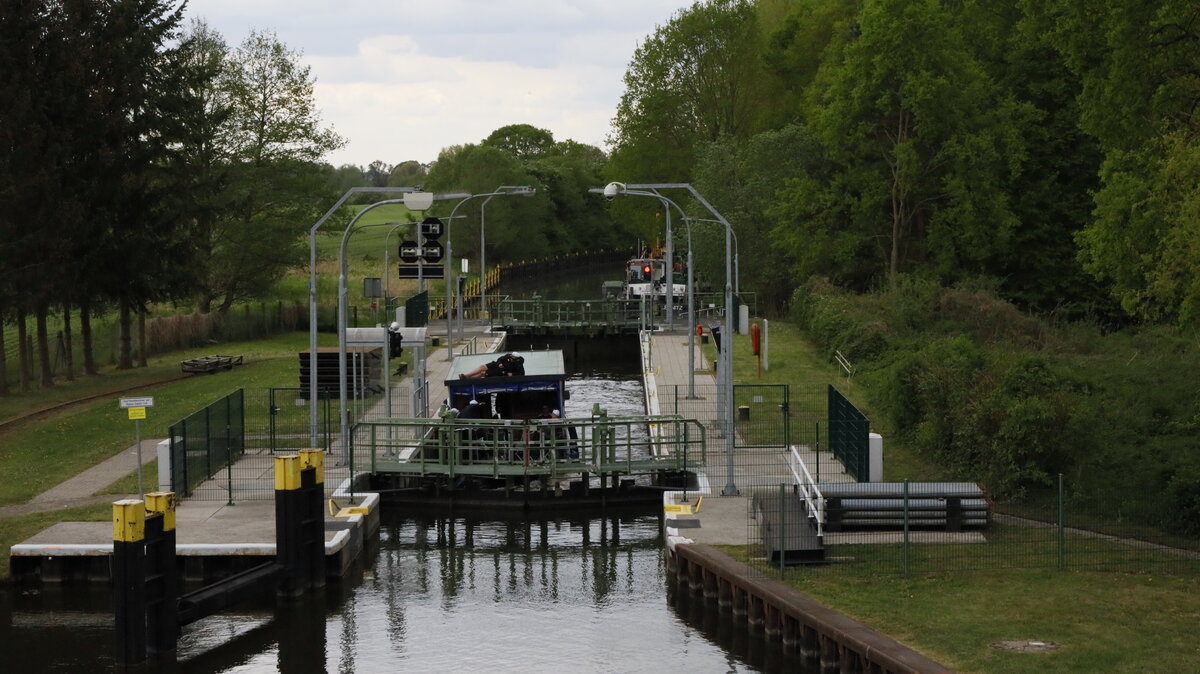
[(314, 529), (162, 573), (287, 513), (129, 580)]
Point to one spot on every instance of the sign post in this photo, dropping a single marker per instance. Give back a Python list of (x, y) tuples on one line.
[(137, 412)]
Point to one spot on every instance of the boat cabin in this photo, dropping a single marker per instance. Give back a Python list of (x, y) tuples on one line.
[(529, 396)]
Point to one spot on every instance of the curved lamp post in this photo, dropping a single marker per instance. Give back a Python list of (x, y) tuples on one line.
[(418, 201), (312, 296), (691, 295), (523, 190), (614, 189)]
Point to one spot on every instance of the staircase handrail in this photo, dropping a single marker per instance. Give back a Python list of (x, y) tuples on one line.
[(808, 490)]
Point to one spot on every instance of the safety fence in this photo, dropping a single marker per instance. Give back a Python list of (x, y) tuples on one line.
[(250, 427), (206, 442)]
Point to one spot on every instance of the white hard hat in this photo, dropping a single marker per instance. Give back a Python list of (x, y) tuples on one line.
[(516, 355), (394, 326)]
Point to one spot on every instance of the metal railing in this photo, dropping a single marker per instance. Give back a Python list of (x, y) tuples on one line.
[(596, 315), (549, 448), (808, 490)]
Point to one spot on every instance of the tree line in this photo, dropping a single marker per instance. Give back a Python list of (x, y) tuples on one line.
[(144, 160), (1048, 145)]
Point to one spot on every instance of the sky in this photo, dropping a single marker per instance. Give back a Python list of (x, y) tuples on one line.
[(402, 79)]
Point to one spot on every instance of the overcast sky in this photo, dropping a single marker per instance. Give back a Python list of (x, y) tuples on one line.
[(402, 79)]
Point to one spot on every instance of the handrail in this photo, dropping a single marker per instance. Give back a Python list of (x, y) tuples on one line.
[(556, 447), (809, 490)]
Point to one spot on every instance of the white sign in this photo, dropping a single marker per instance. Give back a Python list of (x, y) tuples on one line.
[(126, 403), (464, 265)]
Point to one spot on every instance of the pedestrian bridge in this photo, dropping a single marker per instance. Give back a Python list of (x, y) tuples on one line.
[(547, 449), (575, 317)]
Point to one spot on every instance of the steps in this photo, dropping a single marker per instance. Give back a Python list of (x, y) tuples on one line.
[(787, 530)]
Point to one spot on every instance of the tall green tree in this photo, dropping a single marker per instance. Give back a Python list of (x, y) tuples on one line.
[(271, 143), (921, 146), (1138, 62), (696, 79)]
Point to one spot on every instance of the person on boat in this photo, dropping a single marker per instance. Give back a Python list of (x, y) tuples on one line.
[(508, 365)]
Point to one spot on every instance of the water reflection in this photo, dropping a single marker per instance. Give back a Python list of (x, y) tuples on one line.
[(446, 592)]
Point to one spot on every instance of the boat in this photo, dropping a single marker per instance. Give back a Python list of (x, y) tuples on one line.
[(536, 393), (646, 276)]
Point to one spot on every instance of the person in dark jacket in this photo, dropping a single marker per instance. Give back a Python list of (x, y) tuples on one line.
[(508, 365)]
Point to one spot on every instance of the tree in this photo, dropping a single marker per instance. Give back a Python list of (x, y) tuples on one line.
[(409, 173), (921, 145), (1138, 63), (377, 174), (271, 144), (742, 179), (523, 141), (478, 169), (696, 79)]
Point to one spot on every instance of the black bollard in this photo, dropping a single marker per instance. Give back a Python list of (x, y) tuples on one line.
[(129, 580)]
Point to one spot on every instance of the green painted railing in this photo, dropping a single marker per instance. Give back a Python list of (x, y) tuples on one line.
[(547, 448)]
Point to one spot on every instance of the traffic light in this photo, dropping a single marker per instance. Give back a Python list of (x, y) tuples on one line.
[(646, 269)]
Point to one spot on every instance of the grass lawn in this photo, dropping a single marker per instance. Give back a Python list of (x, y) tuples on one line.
[(1100, 621), (38, 454)]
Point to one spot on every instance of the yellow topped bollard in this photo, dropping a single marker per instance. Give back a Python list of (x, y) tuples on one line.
[(314, 458), (287, 472), (162, 502), (129, 520)]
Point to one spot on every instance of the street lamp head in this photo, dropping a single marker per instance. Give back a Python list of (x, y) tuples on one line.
[(418, 201), (611, 190)]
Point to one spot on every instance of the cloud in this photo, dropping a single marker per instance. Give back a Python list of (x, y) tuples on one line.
[(402, 80)]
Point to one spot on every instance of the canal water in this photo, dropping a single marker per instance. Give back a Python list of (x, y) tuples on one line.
[(444, 591)]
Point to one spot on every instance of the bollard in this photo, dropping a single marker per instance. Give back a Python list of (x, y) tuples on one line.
[(287, 512), (162, 573), (314, 519), (129, 580)]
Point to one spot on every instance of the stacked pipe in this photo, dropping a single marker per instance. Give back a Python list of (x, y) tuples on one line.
[(952, 506)]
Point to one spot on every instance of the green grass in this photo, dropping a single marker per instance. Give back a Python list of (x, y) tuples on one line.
[(794, 360), (39, 454), (1103, 622)]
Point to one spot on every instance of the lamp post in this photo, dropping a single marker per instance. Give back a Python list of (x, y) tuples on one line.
[(312, 296), (614, 189), (503, 190), (691, 295), (418, 201), (523, 190)]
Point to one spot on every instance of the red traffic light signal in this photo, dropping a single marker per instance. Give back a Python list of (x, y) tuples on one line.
[(646, 269)]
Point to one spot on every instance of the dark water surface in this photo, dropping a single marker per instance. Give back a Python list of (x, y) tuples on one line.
[(445, 591)]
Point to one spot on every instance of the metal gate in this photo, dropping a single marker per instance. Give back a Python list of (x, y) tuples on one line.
[(288, 420)]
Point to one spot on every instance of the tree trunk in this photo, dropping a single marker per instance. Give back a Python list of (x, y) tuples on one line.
[(141, 337), (23, 350), (124, 332), (43, 345), (85, 332), (3, 357), (68, 354)]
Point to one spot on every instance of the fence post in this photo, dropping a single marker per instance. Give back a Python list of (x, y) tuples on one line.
[(905, 556), (1062, 552)]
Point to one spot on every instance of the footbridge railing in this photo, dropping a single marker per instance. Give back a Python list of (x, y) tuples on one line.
[(536, 447), (598, 316)]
